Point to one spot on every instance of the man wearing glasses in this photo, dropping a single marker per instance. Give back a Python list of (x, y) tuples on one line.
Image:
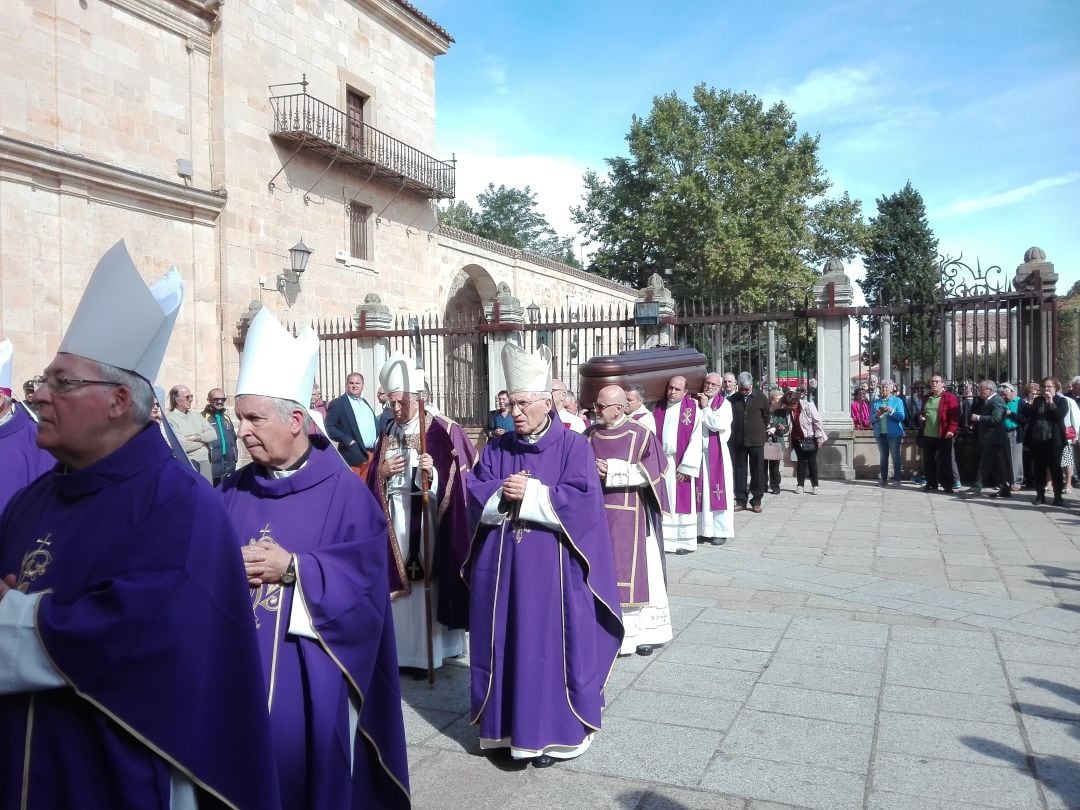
[(938, 423), (191, 429), (631, 465), (678, 426), (126, 642), (544, 621), (223, 447)]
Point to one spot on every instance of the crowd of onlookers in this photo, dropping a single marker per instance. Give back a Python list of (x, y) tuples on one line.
[(987, 433)]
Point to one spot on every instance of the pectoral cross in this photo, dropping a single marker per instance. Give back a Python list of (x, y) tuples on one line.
[(416, 571), (718, 491), (687, 417), (519, 525), (35, 563)]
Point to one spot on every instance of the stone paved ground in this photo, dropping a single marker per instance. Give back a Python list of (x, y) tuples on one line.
[(861, 648)]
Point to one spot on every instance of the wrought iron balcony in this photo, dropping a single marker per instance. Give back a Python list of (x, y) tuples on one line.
[(314, 124)]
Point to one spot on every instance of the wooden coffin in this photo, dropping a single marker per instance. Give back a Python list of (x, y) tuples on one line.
[(649, 368)]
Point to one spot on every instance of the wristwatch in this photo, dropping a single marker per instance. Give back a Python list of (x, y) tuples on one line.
[(289, 577)]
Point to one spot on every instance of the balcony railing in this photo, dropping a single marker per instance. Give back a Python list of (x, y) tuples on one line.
[(326, 129)]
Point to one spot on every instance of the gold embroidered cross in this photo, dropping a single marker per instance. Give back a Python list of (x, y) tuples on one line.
[(687, 416), (34, 563)]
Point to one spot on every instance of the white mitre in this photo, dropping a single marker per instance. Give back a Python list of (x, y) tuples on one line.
[(399, 374), (276, 364), (120, 321), (527, 371), (7, 352)]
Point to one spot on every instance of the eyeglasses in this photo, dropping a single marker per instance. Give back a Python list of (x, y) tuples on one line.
[(185, 396), (215, 400), (600, 406), (61, 385), (521, 404)]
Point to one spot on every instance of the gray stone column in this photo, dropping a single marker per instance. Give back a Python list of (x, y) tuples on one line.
[(1014, 348), (833, 289), (948, 342), (372, 350), (662, 334), (770, 350), (1037, 274), (885, 366), (504, 312)]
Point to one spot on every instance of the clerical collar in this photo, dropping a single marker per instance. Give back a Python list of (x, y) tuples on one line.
[(295, 467), (533, 438), (622, 418), (9, 414)]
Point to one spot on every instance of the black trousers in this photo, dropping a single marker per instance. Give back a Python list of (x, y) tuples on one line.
[(937, 462), (743, 457), (805, 462), (774, 473), (995, 466), (1046, 456)]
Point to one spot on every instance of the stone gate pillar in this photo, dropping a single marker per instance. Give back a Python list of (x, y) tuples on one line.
[(885, 364), (833, 290), (650, 336), (772, 377), (372, 349), (505, 315), (1036, 274)]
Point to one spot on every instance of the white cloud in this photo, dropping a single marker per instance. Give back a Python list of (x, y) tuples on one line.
[(827, 90), (555, 179), (494, 70), (1009, 197)]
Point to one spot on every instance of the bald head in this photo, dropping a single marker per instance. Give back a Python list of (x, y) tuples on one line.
[(558, 393), (676, 389), (611, 405)]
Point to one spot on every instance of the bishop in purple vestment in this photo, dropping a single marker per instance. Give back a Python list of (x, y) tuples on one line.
[(314, 545), (631, 466), (21, 460), (544, 618), (127, 649)]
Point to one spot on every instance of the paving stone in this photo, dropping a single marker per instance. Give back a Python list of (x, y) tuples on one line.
[(741, 618), (762, 639), (1060, 779), (887, 800), (837, 632), (647, 751), (946, 638), (830, 654), (800, 741), (459, 780), (945, 738), (824, 679), (951, 781), (929, 666), (559, 788), (674, 709), (768, 697), (891, 588), (955, 705), (708, 655), (693, 679), (669, 798), (818, 788), (1054, 617), (942, 598), (1054, 736), (1000, 608), (422, 724)]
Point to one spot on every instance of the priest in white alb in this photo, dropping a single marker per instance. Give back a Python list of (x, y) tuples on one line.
[(678, 426)]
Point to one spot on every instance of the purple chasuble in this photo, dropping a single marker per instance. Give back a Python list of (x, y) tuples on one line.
[(687, 416), (715, 459), (21, 460), (325, 515), (145, 614), (453, 455), (544, 619), (631, 510)]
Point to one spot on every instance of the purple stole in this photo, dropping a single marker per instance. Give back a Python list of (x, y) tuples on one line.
[(715, 460), (684, 490)]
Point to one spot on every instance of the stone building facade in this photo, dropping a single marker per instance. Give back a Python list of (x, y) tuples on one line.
[(213, 137)]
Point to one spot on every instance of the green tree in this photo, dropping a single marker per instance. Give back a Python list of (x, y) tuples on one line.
[(902, 268), (509, 216), (723, 191)]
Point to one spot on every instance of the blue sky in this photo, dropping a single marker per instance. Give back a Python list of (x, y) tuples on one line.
[(977, 104)]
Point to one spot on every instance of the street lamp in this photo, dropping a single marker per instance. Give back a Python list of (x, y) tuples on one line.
[(534, 312), (298, 259)]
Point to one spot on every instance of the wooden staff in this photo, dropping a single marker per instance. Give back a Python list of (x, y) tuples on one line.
[(426, 528)]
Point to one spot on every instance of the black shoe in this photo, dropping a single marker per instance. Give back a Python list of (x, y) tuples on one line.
[(1058, 501), (1002, 493), (719, 541), (644, 649), (543, 761), (1039, 498), (683, 551), (775, 490), (927, 488)]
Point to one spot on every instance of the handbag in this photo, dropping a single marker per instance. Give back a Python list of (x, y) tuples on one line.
[(808, 445), (773, 451)]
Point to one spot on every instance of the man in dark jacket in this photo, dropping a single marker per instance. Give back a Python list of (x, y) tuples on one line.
[(993, 438), (749, 420), (350, 421), (223, 448)]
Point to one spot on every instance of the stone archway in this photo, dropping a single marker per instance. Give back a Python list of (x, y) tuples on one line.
[(464, 368)]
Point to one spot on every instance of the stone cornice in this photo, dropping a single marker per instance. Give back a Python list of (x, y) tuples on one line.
[(408, 25), (75, 171), (194, 25)]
